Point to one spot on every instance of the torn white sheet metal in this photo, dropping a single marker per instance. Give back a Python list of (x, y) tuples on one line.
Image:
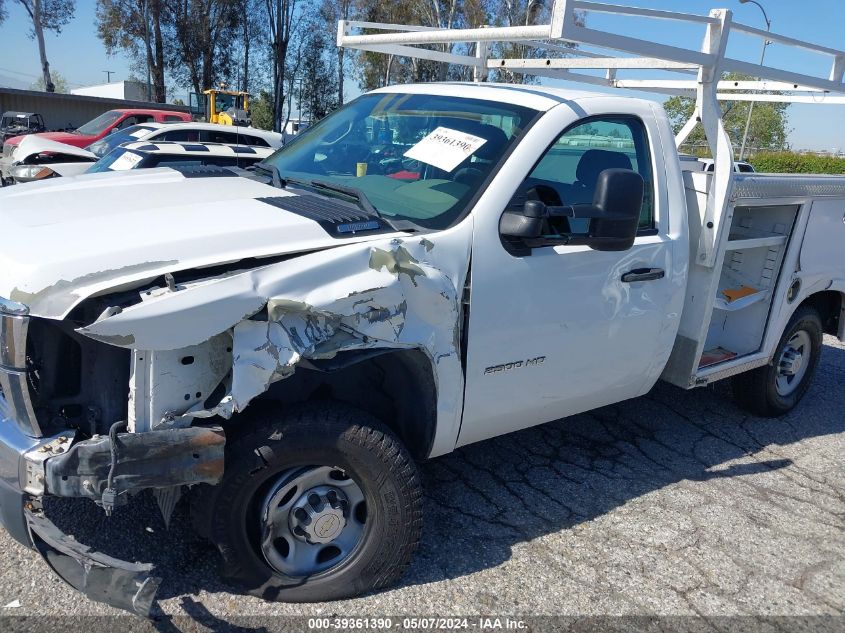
[(165, 383), (394, 293), (34, 144)]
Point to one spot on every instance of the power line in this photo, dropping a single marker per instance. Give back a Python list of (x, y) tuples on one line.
[(31, 76)]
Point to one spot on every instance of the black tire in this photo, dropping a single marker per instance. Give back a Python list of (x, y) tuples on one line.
[(756, 391), (329, 434)]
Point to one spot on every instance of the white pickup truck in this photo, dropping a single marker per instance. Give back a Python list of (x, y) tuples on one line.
[(430, 266)]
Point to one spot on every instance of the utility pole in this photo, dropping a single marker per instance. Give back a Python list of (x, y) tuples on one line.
[(301, 79), (762, 57), (147, 47), (109, 73)]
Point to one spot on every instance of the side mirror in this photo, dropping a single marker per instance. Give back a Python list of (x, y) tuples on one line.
[(618, 201), (614, 217)]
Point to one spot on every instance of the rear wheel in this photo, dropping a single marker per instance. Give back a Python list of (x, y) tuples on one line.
[(776, 388), (322, 504)]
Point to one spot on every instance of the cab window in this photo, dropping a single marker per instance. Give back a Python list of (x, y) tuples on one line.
[(231, 138), (569, 170), (184, 136)]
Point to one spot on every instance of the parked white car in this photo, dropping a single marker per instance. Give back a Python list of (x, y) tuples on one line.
[(190, 133), (37, 157), (740, 166), (146, 155)]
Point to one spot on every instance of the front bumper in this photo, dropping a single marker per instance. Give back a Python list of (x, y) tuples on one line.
[(121, 584), (129, 586), (32, 465)]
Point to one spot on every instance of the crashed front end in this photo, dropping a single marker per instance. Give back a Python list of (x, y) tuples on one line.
[(59, 450), (128, 392)]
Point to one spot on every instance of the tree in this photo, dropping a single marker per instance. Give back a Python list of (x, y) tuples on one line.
[(262, 111), (318, 85), (374, 70), (204, 31), (253, 31), (137, 27), (50, 15), (768, 130), (58, 81), (283, 20), (335, 10), (2, 11)]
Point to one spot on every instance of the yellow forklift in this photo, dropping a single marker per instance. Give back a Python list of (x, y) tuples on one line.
[(227, 107)]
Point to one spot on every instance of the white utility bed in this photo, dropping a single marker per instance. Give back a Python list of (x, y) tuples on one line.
[(777, 226)]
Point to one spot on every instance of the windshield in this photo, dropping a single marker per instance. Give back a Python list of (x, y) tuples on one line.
[(119, 159), (416, 157), (18, 121), (224, 102), (100, 124), (108, 143)]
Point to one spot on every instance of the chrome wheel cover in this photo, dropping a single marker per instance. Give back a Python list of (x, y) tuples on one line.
[(793, 363)]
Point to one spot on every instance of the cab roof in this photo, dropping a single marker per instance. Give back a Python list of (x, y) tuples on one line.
[(533, 96), (152, 111)]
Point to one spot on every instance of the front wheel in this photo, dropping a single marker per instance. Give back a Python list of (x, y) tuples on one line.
[(322, 504), (776, 388)]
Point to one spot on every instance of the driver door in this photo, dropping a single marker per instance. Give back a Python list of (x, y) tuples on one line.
[(557, 330)]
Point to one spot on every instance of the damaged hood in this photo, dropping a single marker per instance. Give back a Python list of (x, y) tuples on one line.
[(37, 144), (67, 239)]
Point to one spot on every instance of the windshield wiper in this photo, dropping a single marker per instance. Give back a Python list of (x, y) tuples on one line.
[(363, 202), (275, 175), (352, 192)]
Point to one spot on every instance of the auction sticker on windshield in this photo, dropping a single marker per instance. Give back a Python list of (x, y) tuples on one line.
[(445, 148), (125, 161)]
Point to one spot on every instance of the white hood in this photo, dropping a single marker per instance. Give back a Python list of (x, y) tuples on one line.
[(34, 144), (66, 239)]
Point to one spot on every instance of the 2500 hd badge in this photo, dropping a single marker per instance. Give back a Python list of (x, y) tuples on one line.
[(528, 362)]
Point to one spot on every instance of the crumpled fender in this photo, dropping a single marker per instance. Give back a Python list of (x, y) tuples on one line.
[(392, 293)]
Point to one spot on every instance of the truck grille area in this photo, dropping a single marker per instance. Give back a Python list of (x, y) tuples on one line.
[(73, 381), (15, 398)]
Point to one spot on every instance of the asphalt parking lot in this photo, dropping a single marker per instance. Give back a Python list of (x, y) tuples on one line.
[(676, 503)]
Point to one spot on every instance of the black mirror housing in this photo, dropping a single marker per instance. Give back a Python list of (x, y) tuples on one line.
[(614, 217), (619, 199)]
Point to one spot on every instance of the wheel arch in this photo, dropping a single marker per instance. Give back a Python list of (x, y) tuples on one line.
[(830, 304), (396, 386)]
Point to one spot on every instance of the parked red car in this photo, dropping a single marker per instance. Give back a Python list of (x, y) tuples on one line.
[(104, 124)]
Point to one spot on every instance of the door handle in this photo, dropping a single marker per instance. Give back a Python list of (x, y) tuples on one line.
[(643, 274)]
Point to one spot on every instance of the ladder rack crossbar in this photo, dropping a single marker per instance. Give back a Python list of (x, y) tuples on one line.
[(628, 53), (618, 9)]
